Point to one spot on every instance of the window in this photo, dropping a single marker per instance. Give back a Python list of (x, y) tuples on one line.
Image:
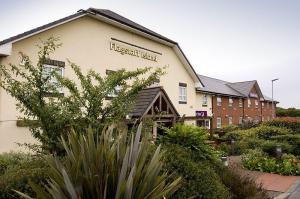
[(267, 105), (249, 102), (219, 122), (117, 89), (240, 103), (182, 93), (268, 118), (229, 120), (241, 120), (230, 101), (263, 104), (48, 72), (115, 92), (256, 103), (204, 102), (262, 119), (219, 101)]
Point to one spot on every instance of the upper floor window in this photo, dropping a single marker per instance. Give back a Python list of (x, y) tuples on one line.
[(249, 102), (240, 103), (182, 93), (219, 101), (229, 120), (51, 68), (117, 89), (263, 104), (219, 122), (230, 101), (204, 100)]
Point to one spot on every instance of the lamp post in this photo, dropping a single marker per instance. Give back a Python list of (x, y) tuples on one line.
[(273, 108)]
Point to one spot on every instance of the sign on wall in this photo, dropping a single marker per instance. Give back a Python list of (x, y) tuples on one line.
[(132, 51), (201, 113)]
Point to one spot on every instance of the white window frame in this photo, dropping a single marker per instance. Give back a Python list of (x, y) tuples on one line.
[(230, 101), (182, 93), (230, 119), (219, 101), (204, 100), (53, 79), (249, 103), (240, 103), (219, 122), (263, 104)]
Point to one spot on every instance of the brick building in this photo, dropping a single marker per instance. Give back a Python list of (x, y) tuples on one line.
[(235, 103)]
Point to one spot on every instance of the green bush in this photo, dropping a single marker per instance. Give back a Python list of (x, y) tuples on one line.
[(240, 187), (293, 125), (199, 178), (190, 137), (258, 160), (18, 176), (115, 164), (291, 139), (269, 147), (267, 132), (12, 159)]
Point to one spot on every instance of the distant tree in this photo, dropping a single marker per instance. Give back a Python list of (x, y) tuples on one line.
[(50, 113), (289, 112)]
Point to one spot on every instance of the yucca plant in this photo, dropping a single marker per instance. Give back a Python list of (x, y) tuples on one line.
[(112, 165)]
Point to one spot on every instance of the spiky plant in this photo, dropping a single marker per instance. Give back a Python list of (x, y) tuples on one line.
[(113, 165)]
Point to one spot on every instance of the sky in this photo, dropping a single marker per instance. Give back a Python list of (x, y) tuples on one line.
[(232, 40)]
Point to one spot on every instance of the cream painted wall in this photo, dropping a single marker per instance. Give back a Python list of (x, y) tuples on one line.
[(199, 100), (86, 42)]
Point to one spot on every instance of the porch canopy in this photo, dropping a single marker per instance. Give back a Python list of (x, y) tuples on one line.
[(154, 103)]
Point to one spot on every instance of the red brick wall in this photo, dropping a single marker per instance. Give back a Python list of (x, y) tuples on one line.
[(225, 111), (267, 111), (254, 112)]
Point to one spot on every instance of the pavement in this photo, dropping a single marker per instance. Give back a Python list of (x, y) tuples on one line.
[(277, 186)]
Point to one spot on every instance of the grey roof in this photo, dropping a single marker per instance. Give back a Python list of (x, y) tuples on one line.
[(145, 98), (242, 87), (238, 89), (116, 17), (218, 86)]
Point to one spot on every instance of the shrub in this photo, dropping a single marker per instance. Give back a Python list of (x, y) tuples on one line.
[(240, 186), (12, 159), (269, 147), (18, 177), (199, 178), (258, 160), (190, 137), (266, 132), (107, 166), (291, 124)]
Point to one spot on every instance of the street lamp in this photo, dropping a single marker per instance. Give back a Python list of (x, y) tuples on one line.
[(273, 108)]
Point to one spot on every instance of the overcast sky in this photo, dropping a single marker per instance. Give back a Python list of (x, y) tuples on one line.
[(226, 39)]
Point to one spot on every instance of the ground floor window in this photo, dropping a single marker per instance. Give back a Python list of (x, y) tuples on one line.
[(203, 123), (219, 122), (241, 120), (229, 120)]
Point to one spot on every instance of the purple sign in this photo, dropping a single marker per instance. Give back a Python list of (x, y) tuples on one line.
[(201, 113)]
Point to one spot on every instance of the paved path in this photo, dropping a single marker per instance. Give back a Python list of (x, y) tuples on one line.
[(277, 186)]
